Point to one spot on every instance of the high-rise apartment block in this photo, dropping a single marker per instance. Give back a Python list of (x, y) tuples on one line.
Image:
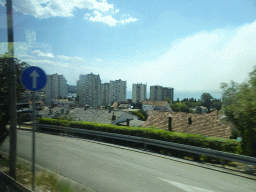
[(156, 93), (168, 92), (117, 91), (56, 86), (89, 90), (159, 93), (139, 92), (105, 90)]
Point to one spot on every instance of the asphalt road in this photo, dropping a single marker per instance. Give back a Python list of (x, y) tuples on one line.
[(106, 168)]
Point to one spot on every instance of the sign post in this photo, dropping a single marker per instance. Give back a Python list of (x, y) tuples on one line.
[(34, 79), (11, 91)]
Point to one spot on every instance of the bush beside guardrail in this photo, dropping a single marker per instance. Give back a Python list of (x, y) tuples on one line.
[(220, 144)]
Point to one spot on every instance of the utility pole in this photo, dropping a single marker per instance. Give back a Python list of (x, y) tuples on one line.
[(12, 92)]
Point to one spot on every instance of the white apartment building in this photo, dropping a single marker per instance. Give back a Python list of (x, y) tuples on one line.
[(89, 90), (56, 86), (139, 92), (168, 92), (105, 90), (117, 91), (156, 93)]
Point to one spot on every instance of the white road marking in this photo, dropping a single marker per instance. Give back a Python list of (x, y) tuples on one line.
[(187, 188)]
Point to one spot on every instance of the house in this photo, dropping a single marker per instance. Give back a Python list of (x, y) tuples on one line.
[(121, 105), (115, 117), (202, 109), (162, 106), (147, 106), (156, 105), (123, 118), (115, 105)]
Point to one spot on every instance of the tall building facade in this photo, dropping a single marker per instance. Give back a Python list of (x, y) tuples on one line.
[(168, 92), (89, 90), (156, 93), (56, 86), (105, 90), (117, 91), (139, 92)]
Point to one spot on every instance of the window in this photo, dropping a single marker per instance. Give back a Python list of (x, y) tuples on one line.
[(105, 48)]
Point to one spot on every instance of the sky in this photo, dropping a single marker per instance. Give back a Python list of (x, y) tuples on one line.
[(188, 45)]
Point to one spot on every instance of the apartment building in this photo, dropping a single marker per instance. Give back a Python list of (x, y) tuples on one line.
[(89, 90), (168, 92), (56, 86), (156, 93), (105, 90), (117, 91), (139, 92)]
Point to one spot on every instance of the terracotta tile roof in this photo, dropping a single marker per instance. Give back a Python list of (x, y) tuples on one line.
[(159, 103), (202, 124), (156, 103), (147, 102), (115, 105)]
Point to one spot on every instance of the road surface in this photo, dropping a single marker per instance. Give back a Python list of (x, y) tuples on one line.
[(106, 168)]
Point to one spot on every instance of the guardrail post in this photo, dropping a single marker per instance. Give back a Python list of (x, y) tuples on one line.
[(222, 162), (145, 146)]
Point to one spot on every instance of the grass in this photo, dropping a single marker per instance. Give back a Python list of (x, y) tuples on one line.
[(27, 126), (46, 181)]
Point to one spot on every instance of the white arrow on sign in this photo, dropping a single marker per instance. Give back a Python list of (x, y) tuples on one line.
[(34, 74)]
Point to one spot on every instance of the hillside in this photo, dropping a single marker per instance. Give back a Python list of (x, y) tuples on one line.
[(203, 124)]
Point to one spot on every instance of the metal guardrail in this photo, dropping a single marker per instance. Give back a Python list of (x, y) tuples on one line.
[(170, 145)]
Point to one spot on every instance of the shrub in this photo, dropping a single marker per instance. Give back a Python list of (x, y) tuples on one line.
[(219, 144)]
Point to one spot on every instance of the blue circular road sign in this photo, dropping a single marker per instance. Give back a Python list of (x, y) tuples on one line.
[(33, 78)]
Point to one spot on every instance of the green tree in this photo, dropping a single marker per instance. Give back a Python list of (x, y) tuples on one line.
[(180, 107), (4, 110), (206, 100), (168, 100), (239, 105), (4, 68), (217, 105)]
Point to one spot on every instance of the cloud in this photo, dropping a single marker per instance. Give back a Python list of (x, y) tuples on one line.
[(129, 20), (108, 18), (102, 6), (42, 54), (99, 17), (63, 57), (115, 11), (98, 60), (200, 61), (102, 11), (71, 71)]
